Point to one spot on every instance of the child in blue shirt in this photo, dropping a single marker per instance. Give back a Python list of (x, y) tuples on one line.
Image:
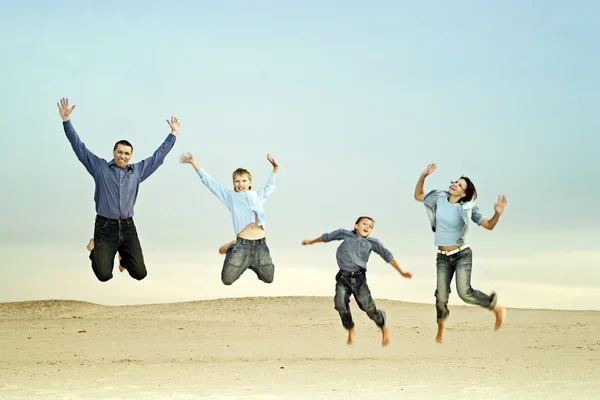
[(352, 257), (250, 250)]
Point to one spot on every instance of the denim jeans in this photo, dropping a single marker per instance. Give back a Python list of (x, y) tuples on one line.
[(462, 263), (248, 254), (110, 236), (355, 283)]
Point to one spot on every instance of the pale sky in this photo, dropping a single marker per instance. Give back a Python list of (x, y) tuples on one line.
[(353, 100)]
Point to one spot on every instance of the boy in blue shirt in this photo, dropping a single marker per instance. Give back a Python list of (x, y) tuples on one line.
[(352, 257), (248, 214)]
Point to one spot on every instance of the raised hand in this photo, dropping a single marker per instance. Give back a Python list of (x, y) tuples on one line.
[(305, 242), (186, 158), (273, 163), (500, 204), (174, 124), (429, 170), (64, 110)]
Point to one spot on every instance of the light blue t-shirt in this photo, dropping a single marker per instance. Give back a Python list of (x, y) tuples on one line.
[(450, 222)]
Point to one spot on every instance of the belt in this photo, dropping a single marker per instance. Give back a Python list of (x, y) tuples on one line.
[(118, 220), (352, 273), (450, 252), (251, 241)]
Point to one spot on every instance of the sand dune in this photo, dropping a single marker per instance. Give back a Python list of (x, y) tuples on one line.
[(291, 348)]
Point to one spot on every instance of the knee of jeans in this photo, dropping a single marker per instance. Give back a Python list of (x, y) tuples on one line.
[(465, 294), (268, 279), (340, 305), (104, 276), (441, 297), (140, 275), (227, 280)]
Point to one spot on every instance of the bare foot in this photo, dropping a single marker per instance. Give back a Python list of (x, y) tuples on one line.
[(351, 333), (440, 333), (500, 313), (385, 336), (90, 245), (121, 268)]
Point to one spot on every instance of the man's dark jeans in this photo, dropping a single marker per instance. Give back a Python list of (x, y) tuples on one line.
[(110, 236), (461, 263), (355, 283), (248, 254)]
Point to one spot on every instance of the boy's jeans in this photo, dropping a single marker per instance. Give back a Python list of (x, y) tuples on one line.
[(244, 254), (355, 283)]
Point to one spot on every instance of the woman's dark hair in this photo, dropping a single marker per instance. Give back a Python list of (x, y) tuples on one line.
[(470, 191)]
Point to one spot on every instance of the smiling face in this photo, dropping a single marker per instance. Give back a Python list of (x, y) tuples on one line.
[(242, 182), (364, 226), (122, 155), (458, 188)]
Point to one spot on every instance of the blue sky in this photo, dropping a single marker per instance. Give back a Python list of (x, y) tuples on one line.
[(352, 99)]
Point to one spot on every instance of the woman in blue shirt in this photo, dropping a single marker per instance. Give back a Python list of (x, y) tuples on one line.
[(449, 213)]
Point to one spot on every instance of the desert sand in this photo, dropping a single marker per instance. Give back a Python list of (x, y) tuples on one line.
[(291, 348)]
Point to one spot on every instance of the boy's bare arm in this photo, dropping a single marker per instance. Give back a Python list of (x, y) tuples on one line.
[(317, 240), (395, 264)]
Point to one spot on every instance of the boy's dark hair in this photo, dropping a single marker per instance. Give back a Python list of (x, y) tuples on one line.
[(124, 143), (364, 217), (470, 191)]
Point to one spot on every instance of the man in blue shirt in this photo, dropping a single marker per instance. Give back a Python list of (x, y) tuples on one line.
[(117, 184), (352, 257)]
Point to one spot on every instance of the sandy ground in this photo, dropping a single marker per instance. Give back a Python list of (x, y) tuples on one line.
[(291, 348)]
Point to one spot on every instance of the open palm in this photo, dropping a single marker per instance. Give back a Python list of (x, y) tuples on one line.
[(174, 124), (64, 109), (429, 170), (500, 204)]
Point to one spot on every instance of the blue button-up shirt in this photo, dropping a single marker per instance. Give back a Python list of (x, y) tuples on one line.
[(353, 254), (116, 188), (245, 207)]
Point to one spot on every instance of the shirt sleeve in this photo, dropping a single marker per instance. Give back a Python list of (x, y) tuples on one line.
[(380, 249), (335, 235), (148, 166), (90, 161), (476, 215), (218, 190), (269, 188)]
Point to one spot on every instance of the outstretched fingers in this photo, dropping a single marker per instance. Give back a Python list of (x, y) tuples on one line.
[(186, 158)]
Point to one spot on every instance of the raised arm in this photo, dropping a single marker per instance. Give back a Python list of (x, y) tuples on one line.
[(387, 256), (419, 190), (208, 181), (271, 182), (151, 164), (89, 160), (489, 224)]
